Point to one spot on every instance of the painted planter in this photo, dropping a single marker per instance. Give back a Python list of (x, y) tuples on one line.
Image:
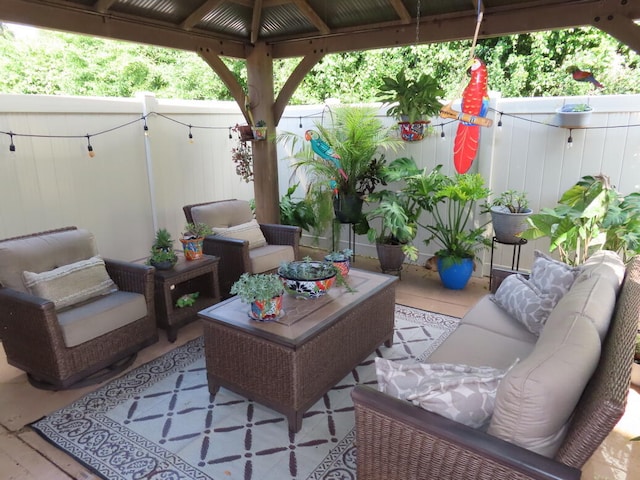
[(192, 248), (342, 265), (456, 275), (300, 288), (567, 117), (507, 225), (266, 310), (412, 132), (259, 133)]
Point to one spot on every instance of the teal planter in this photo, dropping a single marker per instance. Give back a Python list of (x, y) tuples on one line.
[(457, 275)]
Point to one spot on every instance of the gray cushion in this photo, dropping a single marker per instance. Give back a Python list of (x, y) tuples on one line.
[(459, 392), (71, 284), (249, 231), (42, 253), (223, 214), (552, 277), (489, 316), (99, 316), (269, 257)]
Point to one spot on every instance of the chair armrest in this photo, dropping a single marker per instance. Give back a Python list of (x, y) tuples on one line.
[(398, 441), (233, 255), (282, 235), (131, 277)]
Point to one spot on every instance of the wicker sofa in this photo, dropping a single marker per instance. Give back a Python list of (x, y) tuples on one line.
[(530, 435), (68, 317), (241, 244)]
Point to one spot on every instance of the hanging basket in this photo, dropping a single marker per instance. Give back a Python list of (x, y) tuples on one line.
[(412, 132), (574, 115)]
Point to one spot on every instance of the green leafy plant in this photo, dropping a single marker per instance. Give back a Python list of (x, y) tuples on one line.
[(196, 230), (397, 211), (515, 201), (261, 123), (187, 300), (257, 287), (163, 240), (590, 216), (575, 107), (160, 256), (339, 256), (452, 201), (411, 99), (297, 212)]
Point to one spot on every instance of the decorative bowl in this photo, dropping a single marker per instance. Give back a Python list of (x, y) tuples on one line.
[(310, 286)]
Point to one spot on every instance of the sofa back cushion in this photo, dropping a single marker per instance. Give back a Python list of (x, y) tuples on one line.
[(223, 214), (42, 253)]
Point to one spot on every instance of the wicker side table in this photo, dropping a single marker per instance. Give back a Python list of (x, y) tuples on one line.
[(187, 276)]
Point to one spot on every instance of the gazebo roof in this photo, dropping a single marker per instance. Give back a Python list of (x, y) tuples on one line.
[(298, 27)]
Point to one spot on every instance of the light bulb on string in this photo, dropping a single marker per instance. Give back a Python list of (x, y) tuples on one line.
[(230, 136), (190, 135), (442, 135), (500, 121), (300, 122), (89, 147), (12, 147), (570, 139), (145, 127)]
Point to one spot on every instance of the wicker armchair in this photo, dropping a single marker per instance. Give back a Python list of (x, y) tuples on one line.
[(398, 441), (80, 344), (236, 256)]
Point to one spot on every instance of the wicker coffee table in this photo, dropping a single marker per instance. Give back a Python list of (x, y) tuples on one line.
[(289, 364)]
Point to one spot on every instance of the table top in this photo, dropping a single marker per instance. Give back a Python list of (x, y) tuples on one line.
[(182, 265), (303, 318)]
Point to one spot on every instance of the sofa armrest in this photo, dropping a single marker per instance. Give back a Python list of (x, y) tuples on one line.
[(131, 277), (398, 441), (282, 235)]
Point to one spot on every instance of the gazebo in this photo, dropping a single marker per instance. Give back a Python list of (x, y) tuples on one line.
[(260, 31)]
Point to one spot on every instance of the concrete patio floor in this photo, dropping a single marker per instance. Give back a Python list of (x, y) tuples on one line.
[(26, 456)]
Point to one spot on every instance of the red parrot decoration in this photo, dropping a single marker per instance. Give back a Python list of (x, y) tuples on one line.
[(582, 76), (475, 102)]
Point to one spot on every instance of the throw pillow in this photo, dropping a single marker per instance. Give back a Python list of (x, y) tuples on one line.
[(521, 299), (461, 393), (71, 284), (551, 276), (245, 231)]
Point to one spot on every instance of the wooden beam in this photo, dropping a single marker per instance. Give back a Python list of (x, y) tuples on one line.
[(292, 83), (401, 10), (312, 16), (199, 13), (256, 21), (623, 29), (103, 5), (227, 77)]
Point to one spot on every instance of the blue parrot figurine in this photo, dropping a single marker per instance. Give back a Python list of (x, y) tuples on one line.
[(324, 151)]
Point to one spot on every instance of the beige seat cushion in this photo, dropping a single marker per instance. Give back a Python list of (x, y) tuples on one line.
[(607, 264), (90, 320), (489, 316), (269, 257), (223, 214), (43, 253)]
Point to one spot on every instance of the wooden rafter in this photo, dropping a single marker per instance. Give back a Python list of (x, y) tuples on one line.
[(401, 10), (199, 13), (312, 16), (103, 5), (256, 20)]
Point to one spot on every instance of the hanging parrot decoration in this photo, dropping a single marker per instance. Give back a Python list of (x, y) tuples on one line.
[(324, 151), (582, 76), (475, 103)]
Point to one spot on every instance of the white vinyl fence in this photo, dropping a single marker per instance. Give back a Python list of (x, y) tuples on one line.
[(137, 183)]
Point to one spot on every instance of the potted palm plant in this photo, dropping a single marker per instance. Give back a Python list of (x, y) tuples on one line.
[(393, 222), (263, 292), (162, 255), (412, 102), (452, 201), (509, 213), (342, 162)]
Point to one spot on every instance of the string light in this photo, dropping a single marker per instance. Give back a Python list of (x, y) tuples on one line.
[(12, 147), (500, 121), (300, 122), (89, 147), (190, 135), (570, 139), (442, 132), (230, 136), (145, 127)]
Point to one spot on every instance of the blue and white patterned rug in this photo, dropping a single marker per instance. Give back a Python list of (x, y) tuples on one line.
[(159, 422)]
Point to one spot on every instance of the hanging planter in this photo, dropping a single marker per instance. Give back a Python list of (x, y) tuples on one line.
[(348, 208), (574, 115), (412, 132), (260, 130)]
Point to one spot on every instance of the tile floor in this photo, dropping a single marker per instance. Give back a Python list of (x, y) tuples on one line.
[(25, 456)]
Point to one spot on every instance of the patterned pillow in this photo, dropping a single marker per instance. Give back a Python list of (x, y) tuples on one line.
[(245, 231), (459, 392), (71, 284), (551, 276), (524, 302)]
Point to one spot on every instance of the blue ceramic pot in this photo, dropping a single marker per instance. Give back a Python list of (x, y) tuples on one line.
[(456, 275)]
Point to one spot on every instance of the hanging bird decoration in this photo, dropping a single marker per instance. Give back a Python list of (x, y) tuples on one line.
[(582, 76), (475, 103), (324, 151)]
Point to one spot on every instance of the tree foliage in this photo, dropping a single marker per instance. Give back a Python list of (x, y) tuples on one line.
[(519, 66)]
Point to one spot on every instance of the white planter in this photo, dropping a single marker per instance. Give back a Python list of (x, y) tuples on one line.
[(568, 119), (507, 225)]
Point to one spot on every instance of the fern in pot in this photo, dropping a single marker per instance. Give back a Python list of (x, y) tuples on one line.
[(263, 292)]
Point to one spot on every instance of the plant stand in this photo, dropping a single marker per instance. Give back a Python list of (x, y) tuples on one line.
[(515, 258), (352, 237)]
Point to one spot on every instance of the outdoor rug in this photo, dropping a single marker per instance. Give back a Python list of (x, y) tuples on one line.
[(159, 422)]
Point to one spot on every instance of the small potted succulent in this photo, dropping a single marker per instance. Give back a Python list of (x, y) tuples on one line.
[(193, 239), (162, 255), (263, 292), (260, 130), (509, 213), (341, 260)]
